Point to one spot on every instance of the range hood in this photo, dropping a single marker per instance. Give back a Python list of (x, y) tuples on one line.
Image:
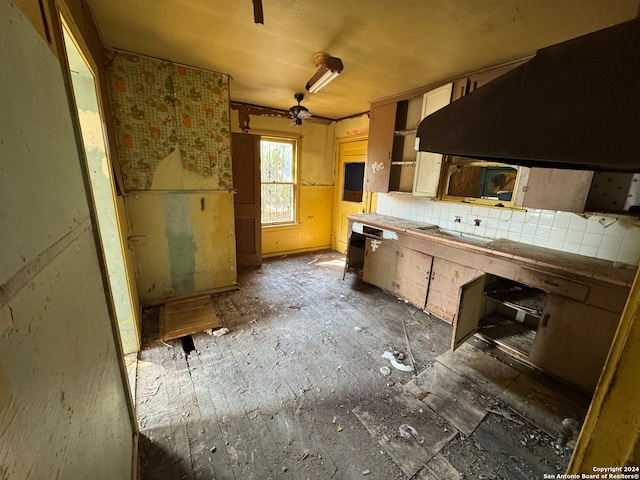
[(574, 105)]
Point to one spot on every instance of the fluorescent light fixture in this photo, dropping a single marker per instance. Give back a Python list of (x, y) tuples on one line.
[(328, 69)]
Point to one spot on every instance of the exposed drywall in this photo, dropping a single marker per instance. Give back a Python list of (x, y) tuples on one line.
[(315, 194), (63, 403), (353, 126), (183, 242)]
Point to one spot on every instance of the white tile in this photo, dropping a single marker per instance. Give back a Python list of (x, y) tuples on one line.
[(608, 254), (629, 258), (494, 213), (516, 227), (505, 214), (571, 247), (491, 232), (633, 233), (540, 241), (515, 236), (518, 216), (588, 251), (542, 232), (610, 242), (592, 239), (578, 223), (594, 226), (574, 236), (526, 239), (546, 219), (531, 217), (558, 234), (529, 229), (561, 221), (556, 244), (480, 231), (503, 226), (618, 229)]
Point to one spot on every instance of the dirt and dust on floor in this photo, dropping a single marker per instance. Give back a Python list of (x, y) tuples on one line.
[(294, 385)]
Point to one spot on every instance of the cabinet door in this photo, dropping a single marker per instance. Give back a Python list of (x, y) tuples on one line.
[(413, 270), (553, 188), (469, 312), (380, 263), (573, 340), (428, 164), (444, 287), (381, 133)]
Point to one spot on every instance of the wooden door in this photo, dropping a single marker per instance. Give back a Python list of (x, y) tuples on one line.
[(380, 263), (413, 270), (428, 164), (349, 195), (381, 133), (469, 311), (573, 340), (246, 201)]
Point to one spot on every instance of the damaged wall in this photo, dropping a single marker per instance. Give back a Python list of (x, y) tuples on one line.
[(63, 402), (172, 128), (316, 178)]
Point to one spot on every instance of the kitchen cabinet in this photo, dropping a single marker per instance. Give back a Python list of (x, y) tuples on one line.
[(391, 154), (553, 189), (387, 264), (380, 145), (558, 311), (429, 164), (398, 270), (562, 336), (573, 340)]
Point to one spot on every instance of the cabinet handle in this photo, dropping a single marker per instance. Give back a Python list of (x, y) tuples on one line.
[(545, 320)]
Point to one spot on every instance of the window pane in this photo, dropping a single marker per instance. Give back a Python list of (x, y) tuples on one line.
[(277, 203), (276, 160)]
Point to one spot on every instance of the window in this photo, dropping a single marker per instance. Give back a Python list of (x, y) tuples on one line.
[(476, 181), (278, 158)]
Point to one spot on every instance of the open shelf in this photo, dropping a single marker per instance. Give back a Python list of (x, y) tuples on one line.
[(519, 297)]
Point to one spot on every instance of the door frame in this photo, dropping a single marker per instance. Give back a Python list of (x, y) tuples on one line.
[(367, 197)]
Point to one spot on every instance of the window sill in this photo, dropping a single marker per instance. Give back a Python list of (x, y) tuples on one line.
[(282, 226)]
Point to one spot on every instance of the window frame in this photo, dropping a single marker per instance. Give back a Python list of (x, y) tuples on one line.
[(449, 161), (295, 142)]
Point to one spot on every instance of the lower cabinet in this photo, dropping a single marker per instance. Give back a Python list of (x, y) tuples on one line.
[(397, 269), (564, 337)]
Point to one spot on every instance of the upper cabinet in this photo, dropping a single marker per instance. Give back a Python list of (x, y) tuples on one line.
[(395, 165), (428, 164)]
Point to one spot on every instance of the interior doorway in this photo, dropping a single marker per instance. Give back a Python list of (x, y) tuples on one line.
[(119, 270), (349, 197)]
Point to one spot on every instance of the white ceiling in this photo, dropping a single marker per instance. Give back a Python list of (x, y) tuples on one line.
[(387, 47)]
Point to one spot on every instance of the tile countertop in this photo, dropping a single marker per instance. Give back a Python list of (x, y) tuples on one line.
[(544, 258)]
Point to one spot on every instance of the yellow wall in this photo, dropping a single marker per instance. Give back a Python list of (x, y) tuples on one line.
[(183, 241), (315, 195)]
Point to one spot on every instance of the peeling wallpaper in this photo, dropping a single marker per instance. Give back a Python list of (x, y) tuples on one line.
[(160, 107)]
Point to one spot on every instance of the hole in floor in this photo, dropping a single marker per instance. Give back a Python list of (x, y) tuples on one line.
[(187, 344)]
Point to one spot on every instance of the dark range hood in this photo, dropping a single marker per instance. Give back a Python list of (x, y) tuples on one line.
[(574, 105)]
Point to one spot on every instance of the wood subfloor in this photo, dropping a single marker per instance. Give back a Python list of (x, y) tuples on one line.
[(274, 398)]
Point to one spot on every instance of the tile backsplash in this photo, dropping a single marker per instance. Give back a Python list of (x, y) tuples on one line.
[(610, 238)]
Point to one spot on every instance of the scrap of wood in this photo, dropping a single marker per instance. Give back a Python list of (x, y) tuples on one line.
[(406, 338)]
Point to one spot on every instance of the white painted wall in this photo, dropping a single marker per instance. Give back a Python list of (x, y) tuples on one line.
[(63, 402)]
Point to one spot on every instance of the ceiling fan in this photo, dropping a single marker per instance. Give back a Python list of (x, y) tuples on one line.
[(298, 112)]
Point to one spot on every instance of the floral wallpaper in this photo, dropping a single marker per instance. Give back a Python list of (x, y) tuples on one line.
[(159, 107)]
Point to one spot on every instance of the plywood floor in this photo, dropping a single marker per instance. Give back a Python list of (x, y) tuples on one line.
[(275, 397)]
